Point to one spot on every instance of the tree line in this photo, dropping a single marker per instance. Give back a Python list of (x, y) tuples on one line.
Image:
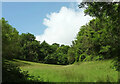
[(97, 40), (25, 47)]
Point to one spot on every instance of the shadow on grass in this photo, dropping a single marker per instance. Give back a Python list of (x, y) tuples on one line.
[(12, 74), (17, 62)]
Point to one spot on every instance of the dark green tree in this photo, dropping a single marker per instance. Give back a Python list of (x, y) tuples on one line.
[(29, 47), (10, 40)]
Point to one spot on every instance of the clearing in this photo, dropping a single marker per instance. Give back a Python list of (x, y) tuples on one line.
[(92, 71)]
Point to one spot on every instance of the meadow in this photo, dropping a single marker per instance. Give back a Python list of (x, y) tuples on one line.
[(90, 71)]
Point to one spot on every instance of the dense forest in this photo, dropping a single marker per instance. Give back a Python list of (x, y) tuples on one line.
[(97, 40)]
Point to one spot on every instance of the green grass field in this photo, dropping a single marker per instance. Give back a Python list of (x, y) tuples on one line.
[(93, 71)]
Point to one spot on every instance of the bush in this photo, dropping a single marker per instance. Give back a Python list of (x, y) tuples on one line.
[(51, 59), (116, 64), (71, 56), (82, 57), (99, 57), (62, 59), (88, 58), (12, 73)]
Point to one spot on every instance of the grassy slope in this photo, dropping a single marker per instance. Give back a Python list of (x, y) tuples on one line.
[(93, 71)]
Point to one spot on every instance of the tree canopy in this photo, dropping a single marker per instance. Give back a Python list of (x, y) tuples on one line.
[(97, 40)]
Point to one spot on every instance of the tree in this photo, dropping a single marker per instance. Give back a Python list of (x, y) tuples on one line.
[(71, 55), (10, 40), (29, 47), (106, 25), (58, 55), (31, 51), (24, 38), (45, 50), (54, 47), (100, 37)]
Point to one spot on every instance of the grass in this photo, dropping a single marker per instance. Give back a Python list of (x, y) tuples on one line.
[(93, 71)]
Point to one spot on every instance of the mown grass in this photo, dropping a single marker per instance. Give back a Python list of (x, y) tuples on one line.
[(93, 71)]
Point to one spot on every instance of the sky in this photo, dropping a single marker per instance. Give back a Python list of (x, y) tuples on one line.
[(54, 22)]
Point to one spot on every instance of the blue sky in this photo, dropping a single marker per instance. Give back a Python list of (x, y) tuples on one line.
[(28, 16), (54, 22)]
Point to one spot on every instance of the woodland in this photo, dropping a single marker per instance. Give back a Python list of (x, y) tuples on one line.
[(97, 40)]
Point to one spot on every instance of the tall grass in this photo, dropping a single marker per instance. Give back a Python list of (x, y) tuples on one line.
[(93, 71)]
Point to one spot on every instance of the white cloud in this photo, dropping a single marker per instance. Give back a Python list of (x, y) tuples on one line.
[(62, 27)]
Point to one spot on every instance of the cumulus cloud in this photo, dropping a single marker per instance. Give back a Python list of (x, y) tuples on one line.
[(63, 26)]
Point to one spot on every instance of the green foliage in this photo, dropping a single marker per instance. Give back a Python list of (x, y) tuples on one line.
[(59, 56), (12, 73), (29, 47), (31, 50), (54, 46), (116, 65), (25, 47), (51, 59), (24, 38), (62, 59), (96, 58), (106, 38), (88, 58), (45, 50), (99, 39), (10, 40), (63, 49), (71, 56), (89, 71), (82, 57), (104, 49)]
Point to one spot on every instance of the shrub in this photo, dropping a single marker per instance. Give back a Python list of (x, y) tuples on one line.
[(99, 57), (82, 57), (88, 58), (12, 73)]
